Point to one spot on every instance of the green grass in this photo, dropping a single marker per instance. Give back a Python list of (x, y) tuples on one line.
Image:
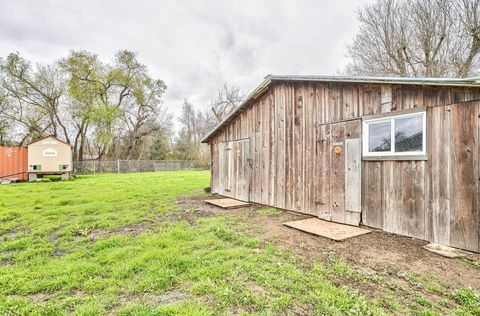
[(269, 211), (120, 244), (109, 244)]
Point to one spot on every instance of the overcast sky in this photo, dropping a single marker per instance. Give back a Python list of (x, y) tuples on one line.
[(194, 46)]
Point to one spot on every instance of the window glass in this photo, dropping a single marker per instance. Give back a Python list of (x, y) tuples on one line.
[(379, 137), (409, 134)]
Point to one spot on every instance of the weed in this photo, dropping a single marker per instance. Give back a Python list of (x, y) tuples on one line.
[(270, 211)]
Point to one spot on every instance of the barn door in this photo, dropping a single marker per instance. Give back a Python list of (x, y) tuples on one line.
[(234, 166), (227, 168), (222, 167), (339, 162)]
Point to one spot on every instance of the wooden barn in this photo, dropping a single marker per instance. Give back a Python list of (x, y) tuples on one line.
[(397, 154)]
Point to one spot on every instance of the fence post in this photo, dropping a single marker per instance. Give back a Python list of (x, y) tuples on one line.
[(94, 167), (118, 166)]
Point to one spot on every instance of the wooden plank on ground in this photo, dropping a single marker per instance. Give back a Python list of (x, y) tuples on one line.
[(228, 203), (445, 251), (334, 231)]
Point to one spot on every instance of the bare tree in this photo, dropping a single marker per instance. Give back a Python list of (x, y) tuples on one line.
[(419, 38), (227, 99)]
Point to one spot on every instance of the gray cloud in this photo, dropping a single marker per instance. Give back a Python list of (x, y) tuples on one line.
[(194, 46)]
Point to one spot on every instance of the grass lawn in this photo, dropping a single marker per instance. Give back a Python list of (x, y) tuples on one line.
[(119, 244)]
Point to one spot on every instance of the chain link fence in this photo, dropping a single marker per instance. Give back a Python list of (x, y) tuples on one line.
[(127, 166)]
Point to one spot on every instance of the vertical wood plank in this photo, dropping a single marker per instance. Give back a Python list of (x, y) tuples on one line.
[(280, 196), (289, 158), (298, 149), (352, 181), (322, 189), (370, 96), (392, 192), (271, 149), (258, 156), (413, 207), (464, 213), (350, 101), (309, 147), (372, 194), (386, 98), (337, 173), (265, 149), (438, 175)]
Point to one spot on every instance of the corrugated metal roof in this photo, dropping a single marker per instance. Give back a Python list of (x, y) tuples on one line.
[(462, 82), (474, 81)]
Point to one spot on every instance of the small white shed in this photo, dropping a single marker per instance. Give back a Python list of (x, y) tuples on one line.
[(49, 155)]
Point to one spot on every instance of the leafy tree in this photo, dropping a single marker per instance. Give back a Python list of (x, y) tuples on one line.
[(33, 96), (119, 102)]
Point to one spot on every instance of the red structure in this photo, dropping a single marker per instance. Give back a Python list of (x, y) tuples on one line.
[(14, 162)]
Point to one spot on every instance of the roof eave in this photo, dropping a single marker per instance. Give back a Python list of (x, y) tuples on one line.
[(465, 82)]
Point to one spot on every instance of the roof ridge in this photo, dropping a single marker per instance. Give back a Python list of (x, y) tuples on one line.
[(268, 79)]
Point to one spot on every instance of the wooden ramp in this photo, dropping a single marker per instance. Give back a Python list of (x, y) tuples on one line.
[(334, 231), (227, 203), (445, 251)]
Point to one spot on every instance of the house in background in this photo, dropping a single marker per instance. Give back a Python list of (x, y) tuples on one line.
[(397, 154)]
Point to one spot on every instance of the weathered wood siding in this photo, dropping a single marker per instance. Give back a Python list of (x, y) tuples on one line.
[(288, 134)]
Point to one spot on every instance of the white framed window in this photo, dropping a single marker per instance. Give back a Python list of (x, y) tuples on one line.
[(396, 135)]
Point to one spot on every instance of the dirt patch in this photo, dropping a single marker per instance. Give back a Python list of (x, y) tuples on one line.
[(377, 250), (52, 236), (14, 234), (171, 297), (254, 287), (153, 299), (5, 262), (36, 297), (133, 230), (59, 252), (381, 262), (188, 213)]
